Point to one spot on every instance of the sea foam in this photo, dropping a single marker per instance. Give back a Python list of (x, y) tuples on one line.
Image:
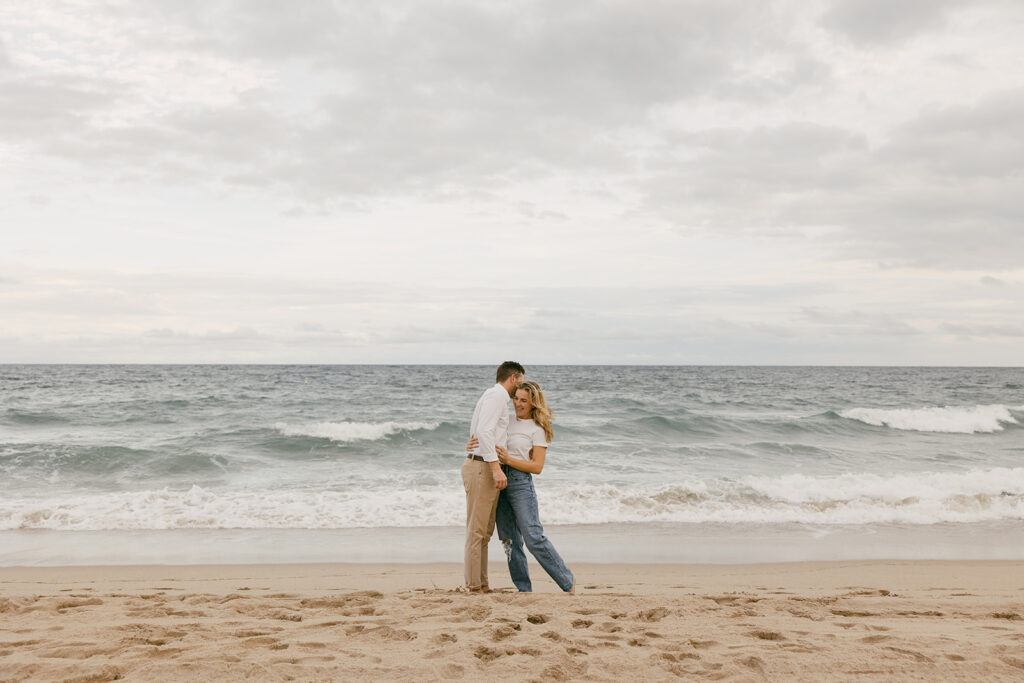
[(907, 498), (949, 419)]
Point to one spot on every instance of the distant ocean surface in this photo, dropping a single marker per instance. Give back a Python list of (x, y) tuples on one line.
[(119, 453)]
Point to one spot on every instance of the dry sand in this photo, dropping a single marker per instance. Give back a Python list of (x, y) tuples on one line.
[(870, 620)]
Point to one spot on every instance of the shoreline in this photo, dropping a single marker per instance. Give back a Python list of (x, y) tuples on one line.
[(873, 619), (639, 543)]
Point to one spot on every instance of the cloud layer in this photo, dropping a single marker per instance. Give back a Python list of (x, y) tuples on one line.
[(844, 170)]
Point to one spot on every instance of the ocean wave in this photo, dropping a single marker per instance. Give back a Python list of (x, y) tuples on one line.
[(28, 417), (850, 499), (949, 419), (345, 432), (198, 508)]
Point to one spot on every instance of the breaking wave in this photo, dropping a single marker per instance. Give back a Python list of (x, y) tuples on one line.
[(949, 419), (345, 432), (909, 498)]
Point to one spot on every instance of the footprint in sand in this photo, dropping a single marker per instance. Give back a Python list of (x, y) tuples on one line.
[(853, 613), (486, 654), (656, 614), (504, 632), (474, 612), (260, 641), (703, 644), (568, 670), (767, 635), (582, 623), (452, 671), (916, 655), (74, 604), (383, 632), (755, 663), (1009, 616), (254, 633)]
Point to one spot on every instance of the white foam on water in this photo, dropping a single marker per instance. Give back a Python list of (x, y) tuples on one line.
[(949, 419), (198, 508), (908, 498), (344, 432)]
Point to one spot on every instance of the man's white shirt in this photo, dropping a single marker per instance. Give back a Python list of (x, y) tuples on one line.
[(490, 422)]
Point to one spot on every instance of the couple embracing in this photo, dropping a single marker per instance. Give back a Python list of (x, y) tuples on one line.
[(505, 451)]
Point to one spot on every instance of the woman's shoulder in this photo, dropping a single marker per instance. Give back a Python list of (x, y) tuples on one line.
[(531, 427)]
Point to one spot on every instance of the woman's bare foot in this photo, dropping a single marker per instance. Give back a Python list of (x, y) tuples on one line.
[(572, 591)]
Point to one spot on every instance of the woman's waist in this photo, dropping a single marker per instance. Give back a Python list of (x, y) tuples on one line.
[(509, 470)]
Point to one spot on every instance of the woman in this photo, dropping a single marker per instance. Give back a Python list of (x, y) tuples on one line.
[(517, 517)]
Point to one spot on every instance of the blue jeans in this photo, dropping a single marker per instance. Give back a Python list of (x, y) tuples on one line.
[(518, 520)]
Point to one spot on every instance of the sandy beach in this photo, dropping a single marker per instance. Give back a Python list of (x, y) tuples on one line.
[(870, 620)]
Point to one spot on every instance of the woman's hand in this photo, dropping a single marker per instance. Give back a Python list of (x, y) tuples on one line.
[(500, 450)]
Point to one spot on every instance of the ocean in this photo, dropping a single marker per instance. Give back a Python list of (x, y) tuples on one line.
[(183, 464)]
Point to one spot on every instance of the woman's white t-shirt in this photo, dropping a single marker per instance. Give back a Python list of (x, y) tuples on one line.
[(522, 436)]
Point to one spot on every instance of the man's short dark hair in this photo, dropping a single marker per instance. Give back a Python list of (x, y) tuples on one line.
[(507, 369)]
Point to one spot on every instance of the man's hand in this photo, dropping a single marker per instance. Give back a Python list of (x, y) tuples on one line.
[(500, 480)]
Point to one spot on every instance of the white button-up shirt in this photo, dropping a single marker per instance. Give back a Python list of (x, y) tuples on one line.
[(490, 422)]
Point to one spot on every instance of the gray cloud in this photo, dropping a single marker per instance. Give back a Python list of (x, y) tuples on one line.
[(859, 322), (941, 192), (41, 108), (465, 93), (874, 22), (983, 331)]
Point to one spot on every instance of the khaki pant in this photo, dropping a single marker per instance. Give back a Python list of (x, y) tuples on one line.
[(481, 501)]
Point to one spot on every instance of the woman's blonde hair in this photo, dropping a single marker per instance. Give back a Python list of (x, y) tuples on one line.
[(539, 411)]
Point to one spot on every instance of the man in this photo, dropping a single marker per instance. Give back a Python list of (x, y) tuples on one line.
[(481, 474)]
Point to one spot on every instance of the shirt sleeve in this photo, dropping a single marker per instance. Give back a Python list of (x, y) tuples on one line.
[(539, 438), (490, 414)]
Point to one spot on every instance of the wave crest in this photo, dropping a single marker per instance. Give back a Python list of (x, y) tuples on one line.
[(949, 419), (345, 432)]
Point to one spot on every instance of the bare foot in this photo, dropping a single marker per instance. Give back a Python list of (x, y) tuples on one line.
[(572, 591)]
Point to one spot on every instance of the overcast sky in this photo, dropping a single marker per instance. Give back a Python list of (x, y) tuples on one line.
[(688, 182)]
